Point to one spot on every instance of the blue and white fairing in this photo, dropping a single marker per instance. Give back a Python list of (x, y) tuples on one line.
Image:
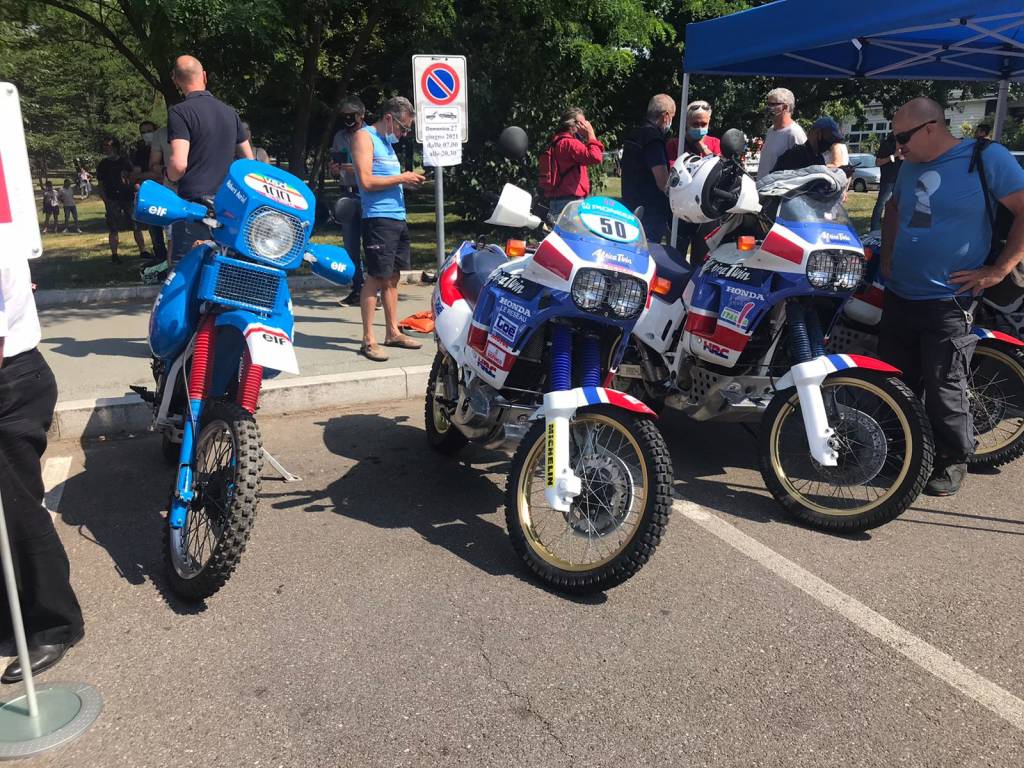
[(524, 295)]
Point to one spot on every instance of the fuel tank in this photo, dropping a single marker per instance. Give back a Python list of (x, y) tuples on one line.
[(175, 314)]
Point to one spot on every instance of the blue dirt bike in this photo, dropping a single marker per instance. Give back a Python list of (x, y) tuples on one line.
[(222, 320)]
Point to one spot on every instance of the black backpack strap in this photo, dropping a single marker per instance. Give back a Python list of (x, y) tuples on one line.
[(978, 161)]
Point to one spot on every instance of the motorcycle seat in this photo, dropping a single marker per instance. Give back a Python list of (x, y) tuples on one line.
[(476, 267), (672, 266)]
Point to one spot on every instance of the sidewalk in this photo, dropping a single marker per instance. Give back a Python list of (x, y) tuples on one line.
[(97, 351)]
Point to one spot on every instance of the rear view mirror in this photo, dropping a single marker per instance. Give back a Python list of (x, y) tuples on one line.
[(513, 209), (733, 144), (513, 143)]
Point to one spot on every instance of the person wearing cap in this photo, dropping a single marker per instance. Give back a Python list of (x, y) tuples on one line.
[(824, 146)]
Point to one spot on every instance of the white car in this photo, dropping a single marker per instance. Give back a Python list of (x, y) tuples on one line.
[(866, 175)]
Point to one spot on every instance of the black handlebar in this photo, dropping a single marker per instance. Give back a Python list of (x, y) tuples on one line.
[(726, 197)]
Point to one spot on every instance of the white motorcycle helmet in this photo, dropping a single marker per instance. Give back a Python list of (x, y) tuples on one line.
[(690, 182)]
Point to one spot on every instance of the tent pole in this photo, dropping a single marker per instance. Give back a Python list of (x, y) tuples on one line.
[(1001, 105), (684, 99)]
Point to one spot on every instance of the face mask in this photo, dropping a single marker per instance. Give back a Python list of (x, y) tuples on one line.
[(148, 136), (348, 121), (696, 133), (772, 112)]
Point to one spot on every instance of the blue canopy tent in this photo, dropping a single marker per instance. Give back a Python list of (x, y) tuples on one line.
[(876, 39)]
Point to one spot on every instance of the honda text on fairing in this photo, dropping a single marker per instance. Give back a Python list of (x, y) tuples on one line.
[(995, 380), (525, 348), (844, 444), (221, 322)]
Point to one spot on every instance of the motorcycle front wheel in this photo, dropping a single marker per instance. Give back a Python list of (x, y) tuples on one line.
[(885, 448), (442, 435), (228, 463), (618, 519), (995, 388)]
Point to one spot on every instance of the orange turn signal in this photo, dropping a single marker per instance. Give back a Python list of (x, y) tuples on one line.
[(515, 248), (869, 254), (746, 243), (661, 286)]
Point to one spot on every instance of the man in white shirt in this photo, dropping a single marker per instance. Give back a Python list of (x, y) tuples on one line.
[(784, 134), (28, 394)]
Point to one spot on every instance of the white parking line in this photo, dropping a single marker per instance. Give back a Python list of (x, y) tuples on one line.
[(55, 474), (926, 656)]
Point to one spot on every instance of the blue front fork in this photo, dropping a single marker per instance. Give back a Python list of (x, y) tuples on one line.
[(561, 360), (183, 490)]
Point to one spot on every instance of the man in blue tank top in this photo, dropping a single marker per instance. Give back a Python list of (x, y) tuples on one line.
[(385, 232)]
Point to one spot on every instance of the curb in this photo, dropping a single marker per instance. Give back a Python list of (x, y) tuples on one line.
[(58, 297), (130, 415)]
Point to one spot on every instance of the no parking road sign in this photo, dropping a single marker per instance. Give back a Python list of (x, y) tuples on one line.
[(440, 82)]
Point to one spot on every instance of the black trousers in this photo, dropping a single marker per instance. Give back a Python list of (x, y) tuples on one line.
[(28, 394), (931, 342)]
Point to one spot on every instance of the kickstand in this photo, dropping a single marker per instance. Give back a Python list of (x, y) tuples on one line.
[(287, 476)]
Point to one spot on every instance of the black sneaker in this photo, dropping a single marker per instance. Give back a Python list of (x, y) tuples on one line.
[(946, 479), (352, 300)]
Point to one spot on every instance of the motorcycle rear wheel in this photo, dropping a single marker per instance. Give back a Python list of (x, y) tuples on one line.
[(443, 436), (885, 450), (996, 392), (204, 552), (617, 521)]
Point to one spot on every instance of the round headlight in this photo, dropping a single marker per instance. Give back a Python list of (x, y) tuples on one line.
[(626, 296), (819, 269), (589, 289), (272, 235)]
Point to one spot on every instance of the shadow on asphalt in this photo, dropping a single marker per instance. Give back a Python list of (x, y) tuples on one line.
[(106, 347), (117, 503), (704, 451), (398, 482)]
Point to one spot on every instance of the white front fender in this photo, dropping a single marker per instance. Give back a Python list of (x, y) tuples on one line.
[(271, 348)]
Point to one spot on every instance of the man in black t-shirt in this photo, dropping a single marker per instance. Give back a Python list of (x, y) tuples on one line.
[(645, 168), (114, 174), (889, 159), (823, 133), (205, 134)]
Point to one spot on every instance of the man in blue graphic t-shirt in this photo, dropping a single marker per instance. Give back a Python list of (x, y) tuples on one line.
[(936, 238), (385, 233)]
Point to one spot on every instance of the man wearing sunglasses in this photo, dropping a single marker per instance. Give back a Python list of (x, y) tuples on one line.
[(785, 132), (936, 238), (386, 248)]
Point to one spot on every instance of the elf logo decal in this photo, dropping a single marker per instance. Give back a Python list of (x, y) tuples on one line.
[(716, 350), (156, 210)]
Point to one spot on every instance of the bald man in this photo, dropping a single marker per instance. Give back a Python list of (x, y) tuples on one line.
[(205, 137), (645, 167), (936, 241)]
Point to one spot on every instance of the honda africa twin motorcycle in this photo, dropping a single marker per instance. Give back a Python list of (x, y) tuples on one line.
[(222, 320), (844, 444), (525, 348), (996, 377)]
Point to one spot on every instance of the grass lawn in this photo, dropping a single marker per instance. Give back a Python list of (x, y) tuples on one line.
[(83, 260)]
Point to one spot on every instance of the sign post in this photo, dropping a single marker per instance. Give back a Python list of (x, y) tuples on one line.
[(442, 121), (48, 715)]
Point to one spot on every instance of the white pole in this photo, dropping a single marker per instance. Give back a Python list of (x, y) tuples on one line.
[(16, 620), (684, 99), (439, 213), (1001, 105)]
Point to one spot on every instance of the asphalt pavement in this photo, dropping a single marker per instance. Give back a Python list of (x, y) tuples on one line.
[(379, 618), (99, 350)]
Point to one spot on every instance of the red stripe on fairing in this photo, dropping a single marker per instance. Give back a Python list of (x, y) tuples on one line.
[(727, 337), (449, 286), (874, 296), (549, 257), (622, 400), (872, 364), (999, 335), (777, 245)]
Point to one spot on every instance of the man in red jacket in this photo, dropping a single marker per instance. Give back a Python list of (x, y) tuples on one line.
[(573, 148)]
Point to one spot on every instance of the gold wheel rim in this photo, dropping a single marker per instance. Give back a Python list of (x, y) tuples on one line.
[(534, 540), (790, 408), (1010, 364)]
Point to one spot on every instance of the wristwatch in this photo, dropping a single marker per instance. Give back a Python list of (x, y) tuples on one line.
[(892, 158)]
